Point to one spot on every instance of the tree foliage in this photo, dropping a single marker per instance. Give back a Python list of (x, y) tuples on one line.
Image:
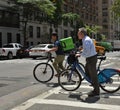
[(44, 5), (70, 16), (116, 8)]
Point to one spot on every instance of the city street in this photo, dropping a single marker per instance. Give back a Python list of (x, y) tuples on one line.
[(20, 91)]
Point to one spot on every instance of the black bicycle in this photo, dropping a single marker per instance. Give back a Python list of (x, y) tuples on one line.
[(44, 72)]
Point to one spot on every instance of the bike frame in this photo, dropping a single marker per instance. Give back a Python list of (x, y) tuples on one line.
[(101, 73), (79, 68)]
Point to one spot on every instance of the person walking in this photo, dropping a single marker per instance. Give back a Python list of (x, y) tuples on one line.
[(89, 52), (58, 61)]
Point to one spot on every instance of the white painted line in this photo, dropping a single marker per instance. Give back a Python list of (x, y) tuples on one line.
[(76, 104), (111, 96), (88, 87), (24, 106), (41, 100)]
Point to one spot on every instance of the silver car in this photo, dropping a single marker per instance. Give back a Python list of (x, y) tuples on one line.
[(39, 51)]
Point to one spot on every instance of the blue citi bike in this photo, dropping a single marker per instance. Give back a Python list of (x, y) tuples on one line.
[(70, 79)]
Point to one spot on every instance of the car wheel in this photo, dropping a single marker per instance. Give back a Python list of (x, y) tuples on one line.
[(34, 57), (10, 55)]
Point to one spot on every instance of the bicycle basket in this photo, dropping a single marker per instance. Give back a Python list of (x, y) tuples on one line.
[(71, 58)]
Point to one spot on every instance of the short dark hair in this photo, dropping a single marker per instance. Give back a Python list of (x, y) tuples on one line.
[(54, 34)]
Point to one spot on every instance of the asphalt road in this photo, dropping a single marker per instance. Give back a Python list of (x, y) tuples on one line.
[(17, 86)]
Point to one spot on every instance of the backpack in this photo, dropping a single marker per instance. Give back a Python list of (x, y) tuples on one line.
[(67, 44)]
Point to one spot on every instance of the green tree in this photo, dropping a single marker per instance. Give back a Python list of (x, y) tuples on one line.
[(32, 6), (93, 30), (116, 8), (116, 15), (72, 18), (60, 15)]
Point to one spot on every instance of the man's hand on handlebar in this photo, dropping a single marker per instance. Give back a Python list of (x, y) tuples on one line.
[(77, 55)]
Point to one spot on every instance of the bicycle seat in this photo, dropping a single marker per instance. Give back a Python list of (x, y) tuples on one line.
[(101, 57)]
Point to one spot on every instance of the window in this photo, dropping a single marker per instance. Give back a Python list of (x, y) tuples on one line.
[(9, 37), (38, 32), (105, 20), (8, 46), (18, 38), (65, 33), (105, 14), (0, 39), (104, 1), (65, 8), (105, 26), (30, 31), (9, 19), (65, 23), (72, 33)]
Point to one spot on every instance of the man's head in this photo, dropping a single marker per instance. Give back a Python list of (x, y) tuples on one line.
[(82, 33), (54, 36)]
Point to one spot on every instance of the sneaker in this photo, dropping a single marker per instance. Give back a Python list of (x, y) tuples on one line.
[(93, 93)]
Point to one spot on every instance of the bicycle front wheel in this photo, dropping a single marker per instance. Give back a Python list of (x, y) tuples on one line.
[(113, 84), (43, 72), (69, 81)]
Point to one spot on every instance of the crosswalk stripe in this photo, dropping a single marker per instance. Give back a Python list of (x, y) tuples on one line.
[(88, 87), (41, 99), (76, 104)]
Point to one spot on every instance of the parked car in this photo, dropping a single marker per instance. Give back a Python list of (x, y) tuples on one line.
[(23, 52), (10, 50), (39, 51)]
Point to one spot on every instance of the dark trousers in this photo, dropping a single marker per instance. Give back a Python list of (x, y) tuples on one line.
[(90, 69)]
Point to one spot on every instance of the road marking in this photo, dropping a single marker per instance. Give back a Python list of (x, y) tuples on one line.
[(75, 104), (24, 106), (41, 100)]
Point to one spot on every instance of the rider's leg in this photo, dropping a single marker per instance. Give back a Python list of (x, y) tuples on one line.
[(55, 64), (60, 62)]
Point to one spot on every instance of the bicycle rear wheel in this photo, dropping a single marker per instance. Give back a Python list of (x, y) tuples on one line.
[(43, 72), (69, 81), (113, 84)]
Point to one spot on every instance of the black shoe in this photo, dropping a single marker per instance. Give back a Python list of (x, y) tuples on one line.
[(93, 93)]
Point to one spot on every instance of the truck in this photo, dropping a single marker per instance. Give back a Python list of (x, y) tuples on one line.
[(10, 50), (116, 45), (107, 45)]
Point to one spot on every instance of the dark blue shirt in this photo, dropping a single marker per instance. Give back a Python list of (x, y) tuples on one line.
[(60, 50)]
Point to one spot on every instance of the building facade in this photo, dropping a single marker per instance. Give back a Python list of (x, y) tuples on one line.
[(105, 18), (92, 12), (9, 24)]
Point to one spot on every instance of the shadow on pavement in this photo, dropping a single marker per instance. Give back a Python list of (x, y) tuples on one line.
[(85, 98)]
